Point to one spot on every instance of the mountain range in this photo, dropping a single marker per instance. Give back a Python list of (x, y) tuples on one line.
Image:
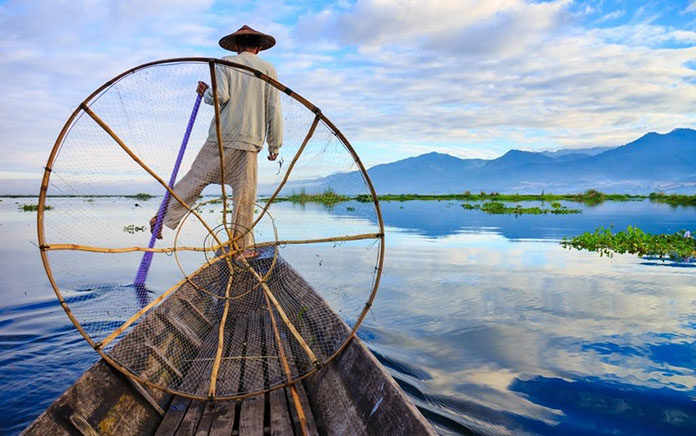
[(653, 162)]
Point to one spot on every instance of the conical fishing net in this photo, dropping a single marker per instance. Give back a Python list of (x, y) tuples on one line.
[(236, 298)]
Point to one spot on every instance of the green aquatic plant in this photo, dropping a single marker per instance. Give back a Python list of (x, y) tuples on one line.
[(143, 196), (673, 199), (591, 197), (33, 207), (499, 208), (132, 228), (676, 246), (328, 198)]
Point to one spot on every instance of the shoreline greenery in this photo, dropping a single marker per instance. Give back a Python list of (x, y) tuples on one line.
[(590, 197), (680, 246)]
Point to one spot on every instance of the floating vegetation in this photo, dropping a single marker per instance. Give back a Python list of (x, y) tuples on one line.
[(33, 207), (328, 198), (680, 246), (673, 199), (132, 228), (141, 196), (499, 208)]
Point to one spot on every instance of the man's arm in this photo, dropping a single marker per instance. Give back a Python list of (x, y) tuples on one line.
[(222, 87), (274, 119)]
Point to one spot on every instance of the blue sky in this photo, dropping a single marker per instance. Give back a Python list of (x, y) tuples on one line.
[(400, 78)]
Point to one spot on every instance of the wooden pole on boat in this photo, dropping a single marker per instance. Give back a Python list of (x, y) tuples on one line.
[(281, 312), (221, 149), (144, 267), (286, 367), (95, 249), (221, 339)]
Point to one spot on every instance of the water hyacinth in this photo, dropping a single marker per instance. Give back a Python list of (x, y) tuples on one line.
[(680, 246)]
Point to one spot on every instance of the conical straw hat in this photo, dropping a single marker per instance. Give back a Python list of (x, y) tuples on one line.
[(229, 42)]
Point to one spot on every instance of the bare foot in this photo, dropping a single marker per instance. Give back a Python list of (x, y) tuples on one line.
[(250, 254), (153, 221)]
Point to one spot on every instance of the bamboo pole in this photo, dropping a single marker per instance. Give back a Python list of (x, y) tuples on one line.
[(221, 150), (95, 249), (286, 368), (321, 240), (221, 339)]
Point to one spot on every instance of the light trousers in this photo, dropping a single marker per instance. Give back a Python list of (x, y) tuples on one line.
[(241, 173)]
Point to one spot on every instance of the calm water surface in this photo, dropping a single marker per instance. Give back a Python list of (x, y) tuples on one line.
[(485, 321)]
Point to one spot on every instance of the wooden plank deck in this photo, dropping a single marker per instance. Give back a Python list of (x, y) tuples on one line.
[(272, 413)]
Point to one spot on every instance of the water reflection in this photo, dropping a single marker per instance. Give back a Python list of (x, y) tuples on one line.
[(485, 321), (436, 219), (592, 404)]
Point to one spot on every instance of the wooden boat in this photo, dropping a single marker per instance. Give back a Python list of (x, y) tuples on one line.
[(351, 394)]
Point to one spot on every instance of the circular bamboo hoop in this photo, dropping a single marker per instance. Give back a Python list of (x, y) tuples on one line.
[(231, 252), (319, 117)]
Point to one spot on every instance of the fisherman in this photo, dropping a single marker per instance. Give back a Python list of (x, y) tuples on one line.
[(250, 114)]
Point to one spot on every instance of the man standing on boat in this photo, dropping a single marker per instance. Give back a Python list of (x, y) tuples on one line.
[(250, 114)]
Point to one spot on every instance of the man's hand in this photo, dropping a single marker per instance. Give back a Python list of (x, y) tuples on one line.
[(202, 86), (272, 156)]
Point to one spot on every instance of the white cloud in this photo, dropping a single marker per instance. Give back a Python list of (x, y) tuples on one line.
[(431, 74), (691, 7), (612, 15), (466, 77)]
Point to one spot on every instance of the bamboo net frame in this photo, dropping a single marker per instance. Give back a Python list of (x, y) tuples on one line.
[(272, 304)]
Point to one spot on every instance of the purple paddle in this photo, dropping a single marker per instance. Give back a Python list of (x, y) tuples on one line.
[(141, 276)]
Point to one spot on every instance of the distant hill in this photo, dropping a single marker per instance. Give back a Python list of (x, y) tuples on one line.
[(652, 162), (576, 152)]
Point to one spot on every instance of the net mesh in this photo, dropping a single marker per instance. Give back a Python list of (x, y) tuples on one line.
[(238, 293)]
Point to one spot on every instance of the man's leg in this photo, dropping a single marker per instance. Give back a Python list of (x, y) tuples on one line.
[(188, 189), (204, 171), (243, 179)]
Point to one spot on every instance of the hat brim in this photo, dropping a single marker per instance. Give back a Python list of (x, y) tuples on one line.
[(229, 42)]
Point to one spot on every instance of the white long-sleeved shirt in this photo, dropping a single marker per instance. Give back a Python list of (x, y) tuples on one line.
[(250, 108)]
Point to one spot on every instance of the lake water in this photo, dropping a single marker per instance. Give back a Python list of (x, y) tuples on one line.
[(487, 323)]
